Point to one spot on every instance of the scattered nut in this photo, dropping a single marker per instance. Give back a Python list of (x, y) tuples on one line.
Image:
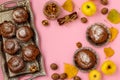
[(104, 2), (84, 20), (33, 68), (79, 44), (55, 76), (54, 66), (45, 22), (104, 11), (76, 78), (63, 76)]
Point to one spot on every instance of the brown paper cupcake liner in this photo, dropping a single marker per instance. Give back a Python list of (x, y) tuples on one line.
[(98, 44), (95, 53)]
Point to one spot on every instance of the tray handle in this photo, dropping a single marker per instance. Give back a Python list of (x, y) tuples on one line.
[(12, 3), (9, 4)]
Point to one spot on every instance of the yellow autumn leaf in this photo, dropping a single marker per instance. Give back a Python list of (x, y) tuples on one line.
[(114, 33), (70, 70), (68, 5), (109, 52), (114, 16)]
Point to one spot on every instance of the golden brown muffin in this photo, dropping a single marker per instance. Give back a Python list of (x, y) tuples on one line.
[(24, 33), (30, 52), (16, 64), (85, 59), (98, 34), (7, 29), (20, 15), (11, 46)]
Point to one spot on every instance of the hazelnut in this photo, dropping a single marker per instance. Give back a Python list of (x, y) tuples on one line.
[(55, 76), (63, 76), (54, 66), (84, 20), (79, 44), (76, 78), (104, 2), (104, 11)]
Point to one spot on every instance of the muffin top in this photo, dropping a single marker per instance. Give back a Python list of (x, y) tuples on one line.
[(7, 29), (11, 46), (30, 52), (15, 64), (98, 34), (24, 33), (85, 59), (20, 15)]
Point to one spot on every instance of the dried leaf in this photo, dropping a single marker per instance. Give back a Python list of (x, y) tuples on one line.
[(109, 52), (114, 16), (114, 33), (68, 5), (70, 70)]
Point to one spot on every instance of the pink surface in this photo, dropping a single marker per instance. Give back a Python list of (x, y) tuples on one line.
[(58, 43)]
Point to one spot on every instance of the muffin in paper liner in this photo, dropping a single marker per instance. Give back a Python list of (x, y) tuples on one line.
[(54, 7), (94, 53), (102, 43)]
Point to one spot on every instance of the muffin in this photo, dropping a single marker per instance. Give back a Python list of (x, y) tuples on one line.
[(24, 33), (15, 64), (85, 59), (7, 29), (51, 10), (98, 34), (20, 15), (30, 52), (11, 46)]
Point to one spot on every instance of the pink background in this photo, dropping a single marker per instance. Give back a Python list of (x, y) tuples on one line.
[(58, 43)]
